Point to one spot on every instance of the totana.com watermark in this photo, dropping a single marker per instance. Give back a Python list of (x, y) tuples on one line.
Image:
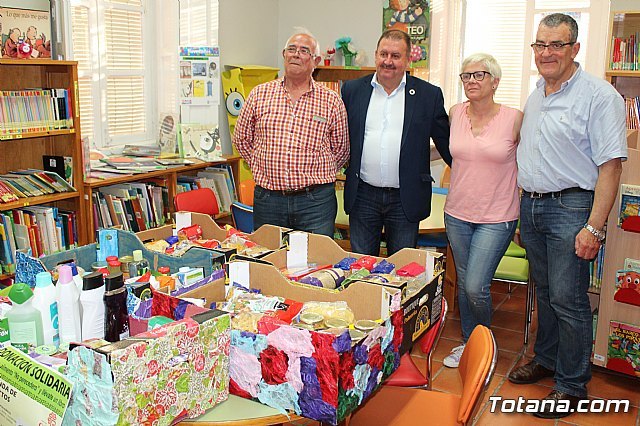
[(522, 405)]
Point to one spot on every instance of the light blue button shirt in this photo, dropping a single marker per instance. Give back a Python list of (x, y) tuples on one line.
[(380, 164), (566, 135)]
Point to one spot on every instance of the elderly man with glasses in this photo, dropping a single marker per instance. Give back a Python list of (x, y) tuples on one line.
[(573, 142), (293, 133)]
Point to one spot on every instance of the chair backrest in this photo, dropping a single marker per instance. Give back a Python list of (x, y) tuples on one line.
[(445, 178), (242, 216), (201, 200), (245, 194), (477, 365)]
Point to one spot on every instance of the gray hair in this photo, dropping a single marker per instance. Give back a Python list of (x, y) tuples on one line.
[(556, 19), (302, 30), (488, 61)]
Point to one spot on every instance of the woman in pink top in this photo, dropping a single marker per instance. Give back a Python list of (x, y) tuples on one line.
[(482, 208)]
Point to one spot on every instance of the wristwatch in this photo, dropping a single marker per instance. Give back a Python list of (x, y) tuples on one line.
[(598, 233)]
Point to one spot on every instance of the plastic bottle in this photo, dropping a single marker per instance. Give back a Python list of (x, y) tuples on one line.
[(68, 297), (139, 266), (25, 322), (44, 300), (116, 320), (77, 277), (92, 303)]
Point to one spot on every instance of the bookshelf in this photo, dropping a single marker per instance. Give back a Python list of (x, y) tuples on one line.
[(23, 149), (335, 75), (170, 175)]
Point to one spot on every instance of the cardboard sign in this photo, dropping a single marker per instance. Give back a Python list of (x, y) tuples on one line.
[(31, 393)]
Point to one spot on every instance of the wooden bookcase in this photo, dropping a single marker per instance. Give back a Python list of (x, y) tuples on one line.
[(171, 175), (25, 150), (337, 74)]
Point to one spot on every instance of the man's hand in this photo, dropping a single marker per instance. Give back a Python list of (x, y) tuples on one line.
[(587, 245)]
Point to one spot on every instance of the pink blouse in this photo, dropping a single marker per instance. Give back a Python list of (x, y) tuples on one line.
[(484, 172)]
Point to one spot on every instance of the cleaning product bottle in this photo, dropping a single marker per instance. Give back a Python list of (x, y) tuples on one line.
[(116, 319), (92, 303), (139, 266), (77, 276), (44, 300), (68, 297), (25, 322)]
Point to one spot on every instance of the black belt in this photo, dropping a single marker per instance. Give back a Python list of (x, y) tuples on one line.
[(299, 191), (553, 194)]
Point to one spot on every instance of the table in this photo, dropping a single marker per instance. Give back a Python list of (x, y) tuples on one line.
[(237, 411), (433, 224)]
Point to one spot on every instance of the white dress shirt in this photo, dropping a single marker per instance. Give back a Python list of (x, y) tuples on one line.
[(382, 136)]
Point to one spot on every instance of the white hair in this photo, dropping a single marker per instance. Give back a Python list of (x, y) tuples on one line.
[(303, 30), (487, 60)]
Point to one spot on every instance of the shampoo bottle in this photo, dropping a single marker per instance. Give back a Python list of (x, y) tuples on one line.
[(92, 303), (116, 319), (68, 298), (25, 322), (44, 300)]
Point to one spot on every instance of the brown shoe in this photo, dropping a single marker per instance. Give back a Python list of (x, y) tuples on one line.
[(557, 405), (529, 373)]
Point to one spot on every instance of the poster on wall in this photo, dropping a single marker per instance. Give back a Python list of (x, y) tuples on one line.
[(199, 75), (414, 18), (25, 33)]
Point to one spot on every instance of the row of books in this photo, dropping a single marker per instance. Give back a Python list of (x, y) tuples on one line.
[(219, 178), (633, 112), (596, 269), (31, 183), (625, 53), (134, 206), (36, 110), (41, 230)]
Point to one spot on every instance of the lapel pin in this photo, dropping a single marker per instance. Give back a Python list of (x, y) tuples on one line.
[(412, 92)]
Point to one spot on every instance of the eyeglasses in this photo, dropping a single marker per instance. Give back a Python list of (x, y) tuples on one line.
[(553, 47), (302, 51), (477, 75)]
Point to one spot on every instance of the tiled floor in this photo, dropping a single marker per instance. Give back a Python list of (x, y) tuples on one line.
[(508, 325)]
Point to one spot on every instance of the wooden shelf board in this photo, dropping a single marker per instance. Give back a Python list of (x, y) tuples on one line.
[(44, 199), (622, 73), (21, 62), (29, 135)]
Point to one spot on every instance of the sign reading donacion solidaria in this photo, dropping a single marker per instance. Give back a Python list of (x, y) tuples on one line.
[(30, 393)]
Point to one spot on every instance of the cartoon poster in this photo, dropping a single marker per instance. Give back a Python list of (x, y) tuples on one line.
[(25, 33), (199, 76), (414, 18)]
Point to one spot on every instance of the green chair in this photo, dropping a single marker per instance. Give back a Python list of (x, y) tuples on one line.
[(515, 270), (514, 250)]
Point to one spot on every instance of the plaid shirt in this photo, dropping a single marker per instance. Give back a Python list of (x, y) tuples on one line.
[(291, 146)]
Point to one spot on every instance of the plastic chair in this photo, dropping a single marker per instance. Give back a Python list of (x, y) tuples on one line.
[(201, 200), (246, 191), (399, 406), (242, 217), (515, 270), (408, 374)]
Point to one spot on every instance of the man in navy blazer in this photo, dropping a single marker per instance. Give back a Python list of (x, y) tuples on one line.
[(392, 117)]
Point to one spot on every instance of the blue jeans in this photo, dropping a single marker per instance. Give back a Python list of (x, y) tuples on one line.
[(548, 227), (374, 209), (477, 249), (312, 210)]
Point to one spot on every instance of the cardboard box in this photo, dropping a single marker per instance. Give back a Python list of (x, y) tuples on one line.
[(176, 371), (421, 309), (321, 376), (27, 267), (269, 236)]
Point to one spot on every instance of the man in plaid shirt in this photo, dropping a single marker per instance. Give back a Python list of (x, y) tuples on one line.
[(293, 133)]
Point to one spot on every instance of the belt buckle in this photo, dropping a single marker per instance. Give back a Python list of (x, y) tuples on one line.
[(535, 195)]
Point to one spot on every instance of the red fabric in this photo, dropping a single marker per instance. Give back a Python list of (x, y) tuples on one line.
[(376, 359), (268, 323), (326, 361), (234, 389), (163, 304), (397, 319), (345, 372), (412, 269), (274, 363), (292, 145)]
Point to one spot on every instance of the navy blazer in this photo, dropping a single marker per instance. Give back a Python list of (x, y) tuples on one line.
[(424, 118)]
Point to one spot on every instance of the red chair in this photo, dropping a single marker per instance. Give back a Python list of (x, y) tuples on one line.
[(408, 374), (246, 191), (201, 200)]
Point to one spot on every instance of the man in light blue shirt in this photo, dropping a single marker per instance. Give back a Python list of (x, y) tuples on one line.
[(573, 142)]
